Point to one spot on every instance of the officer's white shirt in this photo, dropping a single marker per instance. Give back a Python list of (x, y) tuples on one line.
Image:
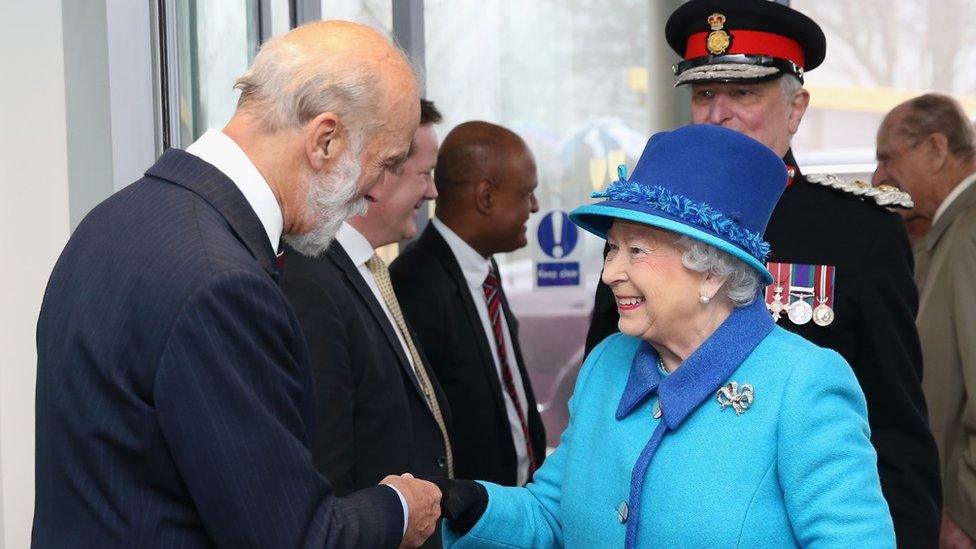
[(475, 269), (220, 151)]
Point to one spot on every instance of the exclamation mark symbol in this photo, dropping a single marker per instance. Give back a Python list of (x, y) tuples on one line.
[(557, 234)]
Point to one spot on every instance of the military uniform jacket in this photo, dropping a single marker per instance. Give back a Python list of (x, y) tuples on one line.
[(874, 330), (795, 469), (946, 274)]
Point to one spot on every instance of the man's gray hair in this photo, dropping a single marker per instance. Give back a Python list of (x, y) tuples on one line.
[(287, 85), (937, 113), (742, 282), (789, 84)]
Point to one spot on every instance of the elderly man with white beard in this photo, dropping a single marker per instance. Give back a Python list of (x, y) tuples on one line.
[(175, 400)]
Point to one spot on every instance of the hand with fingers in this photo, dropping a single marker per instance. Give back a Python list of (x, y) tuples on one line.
[(424, 507)]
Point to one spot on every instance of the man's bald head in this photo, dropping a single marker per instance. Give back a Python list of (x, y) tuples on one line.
[(486, 179), (325, 111), (471, 152), (325, 66)]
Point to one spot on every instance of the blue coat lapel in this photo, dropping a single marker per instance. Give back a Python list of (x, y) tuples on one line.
[(698, 378)]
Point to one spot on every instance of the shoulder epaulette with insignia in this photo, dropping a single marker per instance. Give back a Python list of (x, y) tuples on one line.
[(883, 195)]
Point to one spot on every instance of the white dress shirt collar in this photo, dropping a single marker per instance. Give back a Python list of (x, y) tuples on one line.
[(960, 188), (219, 150), (474, 268), (355, 244), (473, 265)]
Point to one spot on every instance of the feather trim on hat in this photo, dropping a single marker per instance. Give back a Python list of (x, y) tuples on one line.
[(689, 211)]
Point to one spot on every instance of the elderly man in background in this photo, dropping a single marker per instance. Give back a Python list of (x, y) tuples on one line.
[(927, 147), (842, 264), (175, 401), (448, 284), (380, 409)]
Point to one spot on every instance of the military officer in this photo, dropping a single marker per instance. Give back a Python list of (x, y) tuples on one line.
[(841, 260)]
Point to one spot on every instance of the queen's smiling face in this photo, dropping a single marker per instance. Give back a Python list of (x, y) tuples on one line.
[(657, 296)]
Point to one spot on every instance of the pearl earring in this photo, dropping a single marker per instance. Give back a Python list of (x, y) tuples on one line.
[(704, 299)]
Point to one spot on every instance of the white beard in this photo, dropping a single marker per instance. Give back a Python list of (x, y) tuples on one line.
[(332, 197)]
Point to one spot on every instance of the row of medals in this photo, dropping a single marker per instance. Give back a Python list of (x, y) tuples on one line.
[(801, 312)]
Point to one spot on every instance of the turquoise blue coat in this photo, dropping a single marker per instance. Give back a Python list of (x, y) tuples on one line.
[(794, 469)]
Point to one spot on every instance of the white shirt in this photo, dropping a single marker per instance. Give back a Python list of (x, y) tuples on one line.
[(360, 250), (475, 269), (962, 186), (220, 151)]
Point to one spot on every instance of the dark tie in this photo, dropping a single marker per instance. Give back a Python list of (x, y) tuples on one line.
[(493, 296)]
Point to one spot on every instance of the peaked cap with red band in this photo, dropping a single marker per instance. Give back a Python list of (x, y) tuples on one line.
[(742, 41)]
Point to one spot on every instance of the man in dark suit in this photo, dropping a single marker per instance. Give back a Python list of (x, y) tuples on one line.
[(380, 410), (448, 285), (175, 400), (842, 262)]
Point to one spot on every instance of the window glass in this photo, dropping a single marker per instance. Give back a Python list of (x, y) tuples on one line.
[(571, 78), (216, 41), (880, 53), (377, 14)]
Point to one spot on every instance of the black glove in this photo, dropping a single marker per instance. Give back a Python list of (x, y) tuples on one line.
[(462, 502)]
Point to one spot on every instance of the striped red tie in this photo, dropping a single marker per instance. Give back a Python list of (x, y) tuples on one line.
[(493, 296)]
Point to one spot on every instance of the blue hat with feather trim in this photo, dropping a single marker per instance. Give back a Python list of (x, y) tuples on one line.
[(712, 184)]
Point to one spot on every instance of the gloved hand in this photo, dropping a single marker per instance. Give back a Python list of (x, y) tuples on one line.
[(462, 502)]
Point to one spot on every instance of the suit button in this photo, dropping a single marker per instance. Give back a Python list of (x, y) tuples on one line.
[(442, 462)]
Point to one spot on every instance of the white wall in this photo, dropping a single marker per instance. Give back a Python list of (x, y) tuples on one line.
[(33, 230)]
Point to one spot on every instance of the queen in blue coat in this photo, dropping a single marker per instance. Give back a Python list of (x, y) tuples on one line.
[(700, 424)]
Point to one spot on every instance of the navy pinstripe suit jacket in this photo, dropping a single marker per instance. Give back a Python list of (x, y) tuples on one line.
[(174, 394)]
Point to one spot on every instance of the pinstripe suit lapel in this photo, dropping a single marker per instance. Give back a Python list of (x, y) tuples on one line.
[(188, 171)]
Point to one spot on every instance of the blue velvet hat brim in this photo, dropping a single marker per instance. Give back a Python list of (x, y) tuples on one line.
[(597, 219)]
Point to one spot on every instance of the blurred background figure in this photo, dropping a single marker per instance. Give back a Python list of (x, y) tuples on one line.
[(449, 287), (927, 147), (379, 409), (916, 226)]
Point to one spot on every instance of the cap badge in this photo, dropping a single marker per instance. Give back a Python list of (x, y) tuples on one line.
[(717, 41)]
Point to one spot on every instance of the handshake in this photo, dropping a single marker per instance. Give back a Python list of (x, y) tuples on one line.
[(461, 502)]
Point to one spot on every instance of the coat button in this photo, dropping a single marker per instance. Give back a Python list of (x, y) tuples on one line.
[(622, 511), (442, 462)]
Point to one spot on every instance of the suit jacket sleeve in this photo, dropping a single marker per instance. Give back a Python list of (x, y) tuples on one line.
[(826, 463), (231, 399), (960, 500), (890, 353), (333, 442)]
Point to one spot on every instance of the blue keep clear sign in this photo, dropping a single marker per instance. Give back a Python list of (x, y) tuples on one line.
[(557, 237)]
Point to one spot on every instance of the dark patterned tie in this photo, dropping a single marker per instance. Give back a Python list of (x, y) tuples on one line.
[(493, 296)]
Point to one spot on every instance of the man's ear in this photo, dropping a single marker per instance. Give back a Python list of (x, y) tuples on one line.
[(484, 198), (936, 151), (324, 140), (797, 106)]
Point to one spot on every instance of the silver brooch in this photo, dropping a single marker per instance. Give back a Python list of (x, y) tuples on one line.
[(740, 399)]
